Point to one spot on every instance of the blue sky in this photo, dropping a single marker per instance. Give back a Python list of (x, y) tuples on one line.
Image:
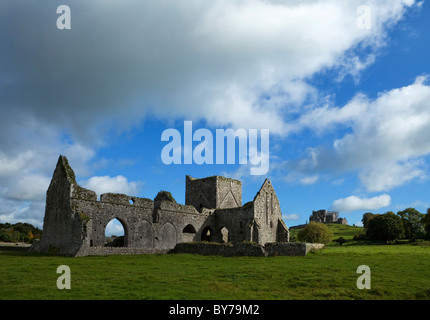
[(348, 108)]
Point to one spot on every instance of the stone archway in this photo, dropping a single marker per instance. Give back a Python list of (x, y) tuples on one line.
[(143, 236), (207, 234), (188, 233), (116, 234), (167, 236)]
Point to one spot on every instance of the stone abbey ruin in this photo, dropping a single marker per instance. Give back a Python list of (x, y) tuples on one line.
[(75, 220), (324, 216)]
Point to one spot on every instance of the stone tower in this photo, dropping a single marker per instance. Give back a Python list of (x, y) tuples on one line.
[(213, 193)]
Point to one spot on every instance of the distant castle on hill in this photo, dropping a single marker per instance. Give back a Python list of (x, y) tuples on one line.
[(324, 216)]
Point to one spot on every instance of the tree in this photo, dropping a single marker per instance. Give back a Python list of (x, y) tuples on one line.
[(412, 225), (30, 236), (315, 233), (366, 217), (19, 232), (426, 222), (385, 227)]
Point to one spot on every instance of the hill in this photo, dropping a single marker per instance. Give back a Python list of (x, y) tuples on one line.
[(339, 230)]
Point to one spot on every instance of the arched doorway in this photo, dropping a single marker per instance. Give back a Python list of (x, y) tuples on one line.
[(188, 233), (143, 236), (115, 234), (167, 236), (207, 234)]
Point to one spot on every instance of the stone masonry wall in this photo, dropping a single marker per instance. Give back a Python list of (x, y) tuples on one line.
[(213, 192), (267, 213), (75, 221), (64, 228), (247, 249), (147, 225), (227, 250), (291, 248)]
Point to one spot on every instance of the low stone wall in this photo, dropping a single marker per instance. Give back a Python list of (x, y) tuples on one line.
[(314, 247), (227, 249), (203, 248), (14, 248), (105, 251), (247, 249), (291, 248)]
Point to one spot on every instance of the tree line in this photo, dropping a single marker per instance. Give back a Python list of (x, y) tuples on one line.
[(388, 227), (19, 232), (407, 224)]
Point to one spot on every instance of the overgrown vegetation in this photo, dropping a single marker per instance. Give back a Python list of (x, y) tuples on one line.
[(163, 195), (19, 232), (408, 225), (315, 233), (385, 227), (116, 242)]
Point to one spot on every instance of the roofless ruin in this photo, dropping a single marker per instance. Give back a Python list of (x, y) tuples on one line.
[(75, 220)]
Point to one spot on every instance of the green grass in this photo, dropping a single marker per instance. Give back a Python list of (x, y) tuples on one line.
[(339, 230), (397, 272)]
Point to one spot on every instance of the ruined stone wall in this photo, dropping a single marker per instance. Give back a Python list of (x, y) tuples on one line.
[(227, 250), (248, 249), (64, 227), (291, 248), (147, 225), (115, 206), (105, 251), (75, 221), (268, 216), (237, 221), (228, 193), (200, 193), (213, 192)]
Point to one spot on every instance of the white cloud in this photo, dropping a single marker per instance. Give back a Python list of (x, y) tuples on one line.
[(390, 175), (354, 203), (386, 140), (106, 184), (30, 187), (25, 174), (359, 224), (394, 126), (14, 211), (234, 63), (292, 216), (309, 180), (212, 60), (114, 228)]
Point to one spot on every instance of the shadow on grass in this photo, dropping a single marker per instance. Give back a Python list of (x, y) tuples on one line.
[(25, 254)]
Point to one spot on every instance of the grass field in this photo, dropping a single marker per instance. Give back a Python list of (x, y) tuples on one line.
[(397, 272), (345, 231)]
